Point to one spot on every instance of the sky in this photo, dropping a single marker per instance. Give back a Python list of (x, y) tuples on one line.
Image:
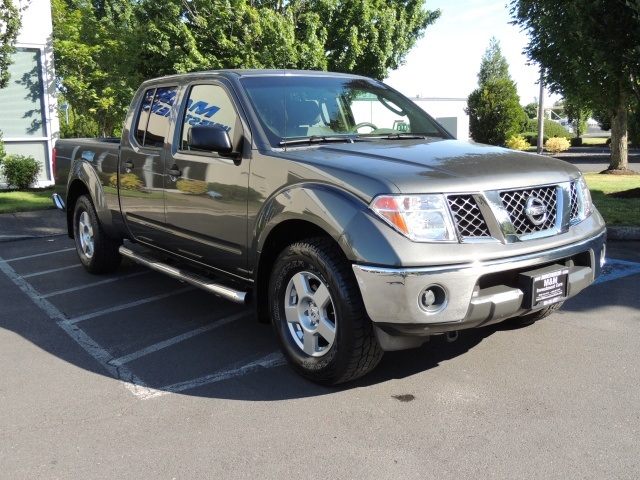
[(446, 61)]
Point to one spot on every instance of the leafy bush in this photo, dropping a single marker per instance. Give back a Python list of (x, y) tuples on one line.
[(634, 126), (192, 187), (20, 171), (557, 144), (532, 137), (551, 129), (3, 153), (576, 142), (128, 181), (517, 142)]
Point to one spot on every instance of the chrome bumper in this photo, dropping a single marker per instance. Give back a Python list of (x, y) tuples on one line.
[(392, 297)]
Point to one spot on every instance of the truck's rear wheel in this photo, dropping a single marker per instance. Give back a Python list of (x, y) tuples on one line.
[(318, 314), (98, 253)]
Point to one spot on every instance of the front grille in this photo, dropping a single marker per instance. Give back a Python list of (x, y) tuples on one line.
[(575, 207), (468, 217), (515, 202)]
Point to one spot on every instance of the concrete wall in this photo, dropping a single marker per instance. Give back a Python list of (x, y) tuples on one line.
[(28, 107)]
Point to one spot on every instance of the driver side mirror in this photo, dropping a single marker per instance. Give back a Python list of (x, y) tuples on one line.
[(213, 138)]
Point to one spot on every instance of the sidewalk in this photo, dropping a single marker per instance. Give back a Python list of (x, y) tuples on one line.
[(36, 224), (47, 223)]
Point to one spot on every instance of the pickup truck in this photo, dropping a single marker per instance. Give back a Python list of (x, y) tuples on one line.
[(351, 219)]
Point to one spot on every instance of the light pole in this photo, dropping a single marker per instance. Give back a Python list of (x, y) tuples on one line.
[(65, 107), (541, 116)]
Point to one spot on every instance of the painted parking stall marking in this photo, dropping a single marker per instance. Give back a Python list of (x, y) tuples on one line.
[(615, 269), (118, 365), (89, 285)]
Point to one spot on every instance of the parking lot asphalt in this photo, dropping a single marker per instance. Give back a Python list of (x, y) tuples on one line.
[(134, 374)]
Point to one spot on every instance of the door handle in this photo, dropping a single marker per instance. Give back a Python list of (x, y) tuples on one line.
[(128, 165), (174, 171)]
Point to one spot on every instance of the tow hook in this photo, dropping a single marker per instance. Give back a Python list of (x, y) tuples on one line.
[(451, 336)]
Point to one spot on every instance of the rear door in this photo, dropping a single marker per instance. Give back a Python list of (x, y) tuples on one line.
[(206, 194), (141, 174)]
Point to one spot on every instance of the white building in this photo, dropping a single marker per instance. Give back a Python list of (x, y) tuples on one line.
[(449, 112), (28, 108)]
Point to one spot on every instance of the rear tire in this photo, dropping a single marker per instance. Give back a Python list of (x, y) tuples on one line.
[(318, 314), (98, 253)]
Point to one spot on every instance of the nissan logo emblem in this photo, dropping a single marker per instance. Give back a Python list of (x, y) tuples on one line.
[(536, 210)]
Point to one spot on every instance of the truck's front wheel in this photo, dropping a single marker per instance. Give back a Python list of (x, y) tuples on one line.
[(318, 314), (98, 253), (531, 318)]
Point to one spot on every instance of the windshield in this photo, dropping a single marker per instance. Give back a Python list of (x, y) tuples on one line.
[(294, 107)]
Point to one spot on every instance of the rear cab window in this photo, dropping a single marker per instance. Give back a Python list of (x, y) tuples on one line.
[(153, 117)]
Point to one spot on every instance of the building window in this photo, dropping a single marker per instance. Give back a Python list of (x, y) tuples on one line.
[(22, 115), (22, 112)]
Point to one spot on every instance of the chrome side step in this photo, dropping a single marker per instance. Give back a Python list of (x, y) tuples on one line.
[(57, 201), (198, 281)]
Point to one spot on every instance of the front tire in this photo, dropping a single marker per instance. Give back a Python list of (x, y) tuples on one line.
[(98, 253), (531, 318), (318, 314)]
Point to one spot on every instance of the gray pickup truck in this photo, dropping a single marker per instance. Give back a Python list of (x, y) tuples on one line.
[(351, 219)]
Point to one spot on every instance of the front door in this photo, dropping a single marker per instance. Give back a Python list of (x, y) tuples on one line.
[(206, 194)]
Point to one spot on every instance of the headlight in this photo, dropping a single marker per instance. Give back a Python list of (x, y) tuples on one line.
[(422, 218), (586, 204)]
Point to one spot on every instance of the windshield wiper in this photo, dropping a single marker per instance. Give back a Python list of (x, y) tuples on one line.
[(403, 136), (317, 139)]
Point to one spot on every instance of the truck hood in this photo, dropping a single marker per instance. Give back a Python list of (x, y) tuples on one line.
[(436, 166)]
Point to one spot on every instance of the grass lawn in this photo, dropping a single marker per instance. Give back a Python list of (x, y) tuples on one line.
[(616, 211), (594, 141), (15, 201)]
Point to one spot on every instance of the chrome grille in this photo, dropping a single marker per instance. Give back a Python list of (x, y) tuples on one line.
[(515, 202), (468, 217), (575, 207)]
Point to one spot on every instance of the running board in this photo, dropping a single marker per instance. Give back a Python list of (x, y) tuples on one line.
[(198, 281)]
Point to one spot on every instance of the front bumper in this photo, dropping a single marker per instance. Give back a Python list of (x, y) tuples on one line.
[(475, 294)]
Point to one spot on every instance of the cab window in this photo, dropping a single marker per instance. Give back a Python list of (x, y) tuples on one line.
[(210, 105), (153, 118)]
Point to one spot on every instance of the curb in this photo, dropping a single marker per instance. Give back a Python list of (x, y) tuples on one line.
[(34, 224), (623, 233)]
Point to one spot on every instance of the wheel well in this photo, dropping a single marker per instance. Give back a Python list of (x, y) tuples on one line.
[(76, 190), (280, 237)]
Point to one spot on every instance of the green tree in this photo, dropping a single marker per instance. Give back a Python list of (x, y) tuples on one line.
[(531, 109), (603, 118), (577, 114), (634, 125), (93, 49), (494, 107), (368, 37), (104, 48), (371, 37), (589, 50), (9, 27)]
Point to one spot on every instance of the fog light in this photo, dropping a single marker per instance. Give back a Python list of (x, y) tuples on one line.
[(433, 299)]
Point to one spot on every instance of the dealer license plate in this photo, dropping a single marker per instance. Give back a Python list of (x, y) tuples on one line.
[(544, 286), (550, 287)]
